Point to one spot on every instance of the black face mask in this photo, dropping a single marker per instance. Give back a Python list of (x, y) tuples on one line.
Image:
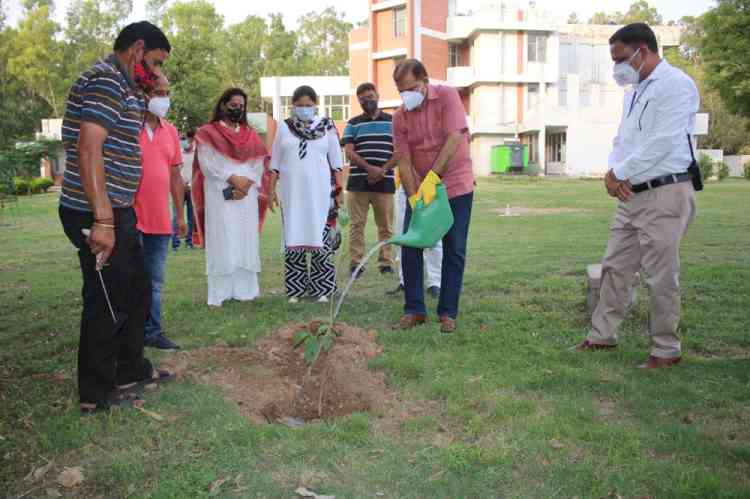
[(235, 114), (369, 106)]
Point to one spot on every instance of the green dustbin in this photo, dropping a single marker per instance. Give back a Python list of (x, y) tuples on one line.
[(429, 224)]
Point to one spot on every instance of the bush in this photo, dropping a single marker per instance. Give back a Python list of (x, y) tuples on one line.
[(722, 170), (706, 166), (22, 186), (746, 170), (42, 184)]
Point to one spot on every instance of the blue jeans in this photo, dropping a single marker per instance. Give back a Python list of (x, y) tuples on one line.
[(454, 260), (155, 249), (189, 211)]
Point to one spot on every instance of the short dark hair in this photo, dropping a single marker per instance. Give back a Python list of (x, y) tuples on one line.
[(412, 66), (302, 91), (190, 133), (636, 33), (218, 113), (153, 38), (366, 87)]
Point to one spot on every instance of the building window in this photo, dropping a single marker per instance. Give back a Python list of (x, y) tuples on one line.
[(556, 147), (337, 107), (533, 98), (454, 56), (537, 47), (399, 22)]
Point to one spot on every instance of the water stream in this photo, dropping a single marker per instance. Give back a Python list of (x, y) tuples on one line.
[(354, 276)]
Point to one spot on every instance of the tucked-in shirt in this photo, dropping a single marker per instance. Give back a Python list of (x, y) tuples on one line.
[(160, 150), (658, 114), (422, 133), (305, 185), (107, 96), (373, 141)]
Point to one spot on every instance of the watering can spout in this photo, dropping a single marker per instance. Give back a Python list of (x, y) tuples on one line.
[(429, 224)]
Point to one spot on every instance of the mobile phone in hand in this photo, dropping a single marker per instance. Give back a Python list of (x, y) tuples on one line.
[(229, 193)]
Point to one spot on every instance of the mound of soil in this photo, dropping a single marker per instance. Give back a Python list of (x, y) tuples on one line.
[(272, 382)]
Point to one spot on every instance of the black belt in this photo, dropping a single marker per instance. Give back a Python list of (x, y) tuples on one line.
[(674, 178)]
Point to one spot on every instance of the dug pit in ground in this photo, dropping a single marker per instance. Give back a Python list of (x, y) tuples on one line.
[(272, 382)]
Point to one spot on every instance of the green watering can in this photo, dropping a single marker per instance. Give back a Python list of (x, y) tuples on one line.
[(429, 224)]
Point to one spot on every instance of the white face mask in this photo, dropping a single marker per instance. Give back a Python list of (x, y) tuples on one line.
[(305, 113), (412, 99), (625, 74), (159, 106)]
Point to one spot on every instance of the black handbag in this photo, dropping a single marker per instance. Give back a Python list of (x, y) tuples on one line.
[(694, 170)]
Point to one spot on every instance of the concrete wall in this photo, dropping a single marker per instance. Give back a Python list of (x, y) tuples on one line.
[(736, 164)]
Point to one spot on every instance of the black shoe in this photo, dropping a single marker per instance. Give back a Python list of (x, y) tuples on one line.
[(386, 270), (398, 290), (434, 291), (354, 269), (161, 342)]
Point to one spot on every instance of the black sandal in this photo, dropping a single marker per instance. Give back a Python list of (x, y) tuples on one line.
[(122, 400)]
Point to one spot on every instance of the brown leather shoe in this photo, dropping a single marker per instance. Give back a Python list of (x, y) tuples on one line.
[(447, 325), (587, 346), (410, 321), (658, 363)]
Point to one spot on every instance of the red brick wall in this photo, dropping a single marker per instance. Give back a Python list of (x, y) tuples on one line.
[(435, 57), (384, 32), (435, 15)]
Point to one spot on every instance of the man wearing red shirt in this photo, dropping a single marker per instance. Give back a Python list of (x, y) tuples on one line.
[(161, 158), (431, 141)]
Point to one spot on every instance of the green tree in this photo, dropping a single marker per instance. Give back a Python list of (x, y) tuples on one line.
[(20, 110), (242, 60), (155, 10), (36, 58), (727, 131), (324, 42), (604, 18), (196, 33), (725, 53), (642, 12), (280, 50), (91, 28)]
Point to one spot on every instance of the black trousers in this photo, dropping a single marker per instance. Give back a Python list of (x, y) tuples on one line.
[(110, 351)]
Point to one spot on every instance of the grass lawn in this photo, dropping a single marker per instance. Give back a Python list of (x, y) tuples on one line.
[(514, 413)]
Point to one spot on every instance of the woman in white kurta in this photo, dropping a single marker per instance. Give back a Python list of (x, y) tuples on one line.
[(230, 156), (306, 151)]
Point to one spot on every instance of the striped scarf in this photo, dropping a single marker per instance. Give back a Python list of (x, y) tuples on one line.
[(305, 132)]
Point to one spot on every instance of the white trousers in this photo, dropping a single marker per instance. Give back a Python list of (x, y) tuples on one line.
[(433, 257), (240, 285)]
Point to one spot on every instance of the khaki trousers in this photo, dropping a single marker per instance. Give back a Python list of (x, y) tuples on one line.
[(359, 206), (646, 235)]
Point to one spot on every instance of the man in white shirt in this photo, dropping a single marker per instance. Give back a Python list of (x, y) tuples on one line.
[(648, 174)]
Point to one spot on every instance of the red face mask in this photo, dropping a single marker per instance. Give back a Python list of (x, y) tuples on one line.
[(145, 77)]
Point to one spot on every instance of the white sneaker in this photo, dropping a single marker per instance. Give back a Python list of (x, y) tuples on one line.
[(293, 300), (323, 299)]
